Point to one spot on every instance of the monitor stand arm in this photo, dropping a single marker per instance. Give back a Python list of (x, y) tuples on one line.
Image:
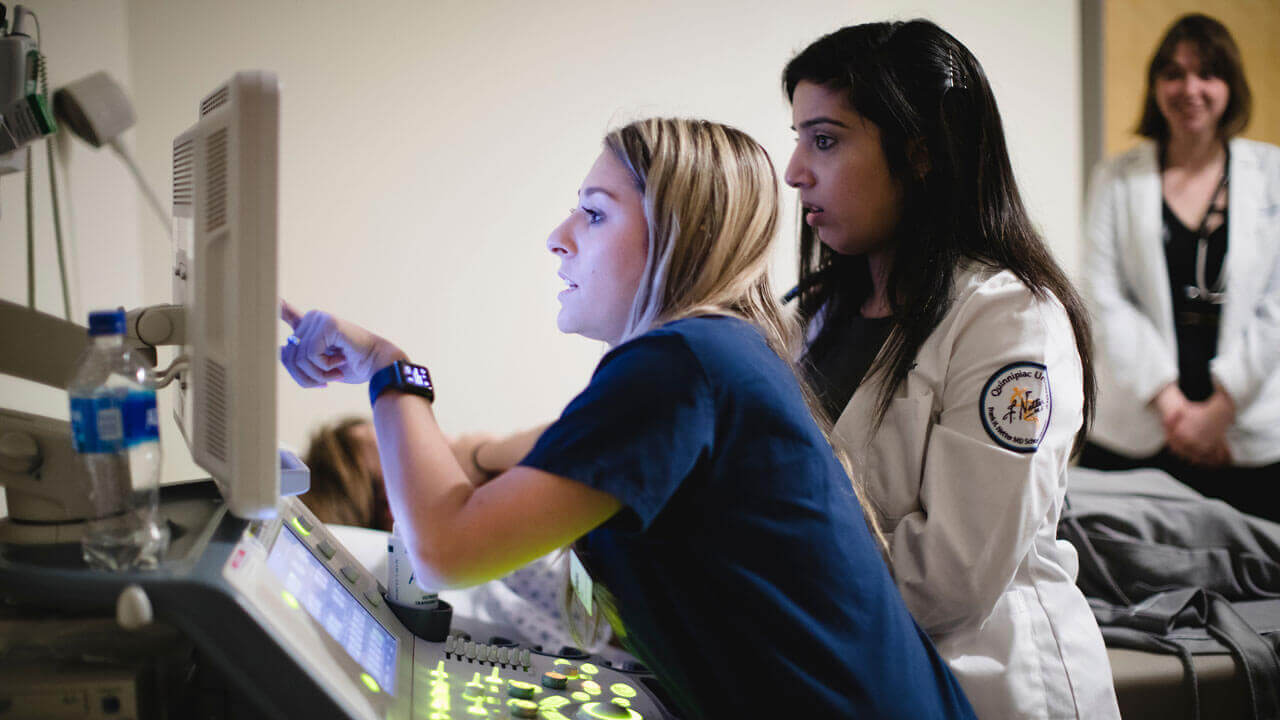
[(150, 327)]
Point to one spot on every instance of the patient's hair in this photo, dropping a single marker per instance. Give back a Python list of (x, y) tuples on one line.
[(343, 490)]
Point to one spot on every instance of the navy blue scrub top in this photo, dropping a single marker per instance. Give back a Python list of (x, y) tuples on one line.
[(740, 565)]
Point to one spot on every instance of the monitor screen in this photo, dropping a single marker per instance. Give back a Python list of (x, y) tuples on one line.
[(337, 611)]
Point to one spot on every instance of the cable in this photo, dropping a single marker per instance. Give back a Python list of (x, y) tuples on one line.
[(150, 194), (53, 190), (7, 131), (43, 77), (57, 230), (31, 239), (169, 374)]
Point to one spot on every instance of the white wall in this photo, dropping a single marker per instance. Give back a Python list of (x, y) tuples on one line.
[(429, 147)]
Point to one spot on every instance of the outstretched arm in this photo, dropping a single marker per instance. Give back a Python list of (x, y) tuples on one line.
[(458, 534)]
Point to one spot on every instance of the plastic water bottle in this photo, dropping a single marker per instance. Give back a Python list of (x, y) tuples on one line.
[(115, 428)]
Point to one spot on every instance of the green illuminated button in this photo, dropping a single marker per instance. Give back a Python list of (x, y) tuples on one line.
[(579, 696), (520, 689), (477, 710), (523, 708), (590, 669), (554, 715), (440, 699), (369, 682), (289, 599), (606, 711), (622, 690), (592, 687), (554, 680), (622, 702), (350, 573), (551, 702), (302, 525)]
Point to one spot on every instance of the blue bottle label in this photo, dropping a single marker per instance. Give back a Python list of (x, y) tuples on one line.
[(110, 423), (141, 421), (97, 425)]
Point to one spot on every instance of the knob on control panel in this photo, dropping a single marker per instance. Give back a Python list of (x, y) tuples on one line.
[(523, 708), (605, 711), (520, 689)]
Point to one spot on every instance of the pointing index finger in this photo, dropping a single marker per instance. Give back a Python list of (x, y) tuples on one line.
[(289, 314)]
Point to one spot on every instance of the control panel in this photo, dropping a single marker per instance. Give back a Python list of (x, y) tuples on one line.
[(304, 578), (286, 621), (462, 684)]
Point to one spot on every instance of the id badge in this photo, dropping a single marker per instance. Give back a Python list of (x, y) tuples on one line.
[(581, 582)]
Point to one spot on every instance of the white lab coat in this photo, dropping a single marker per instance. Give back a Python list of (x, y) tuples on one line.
[(1126, 282), (971, 525)]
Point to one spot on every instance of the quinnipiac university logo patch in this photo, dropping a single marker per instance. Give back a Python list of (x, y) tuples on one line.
[(1016, 405)]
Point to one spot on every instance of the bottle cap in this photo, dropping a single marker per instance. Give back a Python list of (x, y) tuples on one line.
[(106, 322)]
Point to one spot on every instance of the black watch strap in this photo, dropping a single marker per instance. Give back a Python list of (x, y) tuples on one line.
[(402, 376)]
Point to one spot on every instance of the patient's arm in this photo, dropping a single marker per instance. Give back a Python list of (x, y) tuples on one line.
[(484, 456)]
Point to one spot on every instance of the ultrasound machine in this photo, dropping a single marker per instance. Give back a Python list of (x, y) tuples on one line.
[(257, 610)]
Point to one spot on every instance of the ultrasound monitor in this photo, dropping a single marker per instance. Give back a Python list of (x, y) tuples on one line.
[(225, 180)]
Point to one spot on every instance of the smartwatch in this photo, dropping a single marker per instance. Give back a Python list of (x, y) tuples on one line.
[(402, 376)]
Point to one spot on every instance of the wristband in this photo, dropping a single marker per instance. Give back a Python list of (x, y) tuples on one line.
[(402, 376)]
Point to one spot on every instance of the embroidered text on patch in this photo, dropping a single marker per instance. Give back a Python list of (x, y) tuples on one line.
[(1016, 405)]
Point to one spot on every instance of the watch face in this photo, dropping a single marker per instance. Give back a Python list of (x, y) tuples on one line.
[(415, 376)]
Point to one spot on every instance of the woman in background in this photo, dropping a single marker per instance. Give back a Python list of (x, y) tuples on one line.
[(1182, 268), (953, 355)]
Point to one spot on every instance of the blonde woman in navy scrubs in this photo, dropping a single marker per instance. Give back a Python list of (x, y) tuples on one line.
[(723, 536)]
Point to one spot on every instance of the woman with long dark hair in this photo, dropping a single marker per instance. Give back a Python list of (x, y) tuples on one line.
[(952, 354), (1182, 267)]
